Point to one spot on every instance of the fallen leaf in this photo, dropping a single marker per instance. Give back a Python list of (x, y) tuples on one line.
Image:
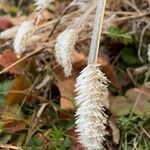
[(114, 6), (140, 98), (21, 83), (14, 127), (109, 70), (119, 105), (66, 104), (68, 107), (5, 23), (144, 91), (11, 113), (136, 100), (7, 58)]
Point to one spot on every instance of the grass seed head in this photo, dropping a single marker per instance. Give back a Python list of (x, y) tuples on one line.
[(91, 88), (64, 47), (9, 33), (25, 31)]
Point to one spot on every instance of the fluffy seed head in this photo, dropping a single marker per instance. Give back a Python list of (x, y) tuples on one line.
[(64, 47), (91, 88), (43, 4), (25, 31), (148, 52), (9, 33)]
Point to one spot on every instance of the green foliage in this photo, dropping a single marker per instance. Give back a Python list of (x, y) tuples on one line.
[(4, 88), (13, 11), (57, 134), (1, 126), (130, 126), (129, 56), (58, 139), (5, 139), (119, 35), (33, 144), (67, 143)]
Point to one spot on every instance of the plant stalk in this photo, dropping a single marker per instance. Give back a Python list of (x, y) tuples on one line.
[(97, 29)]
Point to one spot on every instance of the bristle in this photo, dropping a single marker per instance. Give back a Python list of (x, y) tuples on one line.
[(91, 88), (24, 32), (64, 47)]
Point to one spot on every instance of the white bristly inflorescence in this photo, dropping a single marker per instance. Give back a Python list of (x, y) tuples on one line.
[(148, 52), (25, 31), (64, 47), (43, 4), (91, 88), (9, 33)]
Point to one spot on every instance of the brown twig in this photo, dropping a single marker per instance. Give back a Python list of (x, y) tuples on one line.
[(132, 17), (8, 147)]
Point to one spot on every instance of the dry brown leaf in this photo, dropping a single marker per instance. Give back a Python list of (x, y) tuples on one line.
[(66, 104), (114, 5), (109, 70), (14, 127), (119, 105), (7, 58), (144, 91), (21, 83), (5, 23), (141, 97)]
